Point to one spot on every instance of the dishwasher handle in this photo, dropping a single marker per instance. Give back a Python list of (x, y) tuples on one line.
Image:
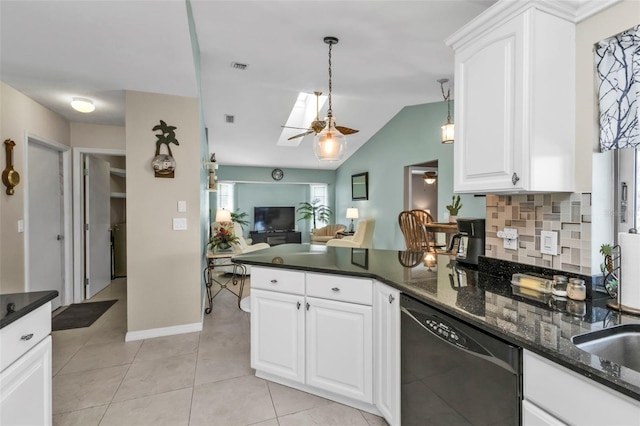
[(444, 331)]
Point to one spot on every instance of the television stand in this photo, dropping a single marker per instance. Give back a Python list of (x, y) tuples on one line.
[(274, 238)]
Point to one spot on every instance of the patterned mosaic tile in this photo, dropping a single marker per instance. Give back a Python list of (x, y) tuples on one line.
[(569, 214)]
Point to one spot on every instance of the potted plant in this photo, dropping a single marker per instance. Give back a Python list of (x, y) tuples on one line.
[(454, 208), (315, 211), (240, 218), (222, 237)]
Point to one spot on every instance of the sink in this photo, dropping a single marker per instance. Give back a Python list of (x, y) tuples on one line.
[(619, 344)]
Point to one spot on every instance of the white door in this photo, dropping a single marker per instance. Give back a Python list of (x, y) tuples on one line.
[(339, 348), (45, 221), (97, 213), (277, 334), (386, 349)]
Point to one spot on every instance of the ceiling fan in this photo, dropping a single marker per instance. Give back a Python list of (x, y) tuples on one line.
[(318, 125)]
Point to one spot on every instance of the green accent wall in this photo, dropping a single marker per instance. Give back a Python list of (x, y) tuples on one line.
[(411, 137)]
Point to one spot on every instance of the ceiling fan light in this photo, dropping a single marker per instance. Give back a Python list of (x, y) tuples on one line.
[(83, 105), (329, 144)]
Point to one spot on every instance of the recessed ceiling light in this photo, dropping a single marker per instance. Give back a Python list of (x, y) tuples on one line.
[(83, 105)]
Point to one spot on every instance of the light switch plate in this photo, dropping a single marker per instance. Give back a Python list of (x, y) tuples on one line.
[(179, 223), (549, 242), (182, 206)]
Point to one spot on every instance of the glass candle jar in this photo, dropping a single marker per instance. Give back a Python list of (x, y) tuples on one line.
[(576, 289), (559, 285)]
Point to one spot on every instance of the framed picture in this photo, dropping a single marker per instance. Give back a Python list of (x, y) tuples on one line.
[(360, 186)]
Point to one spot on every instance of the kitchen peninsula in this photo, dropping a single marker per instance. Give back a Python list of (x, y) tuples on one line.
[(333, 278)]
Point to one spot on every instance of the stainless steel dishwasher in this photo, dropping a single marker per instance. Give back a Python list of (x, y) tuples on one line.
[(455, 374)]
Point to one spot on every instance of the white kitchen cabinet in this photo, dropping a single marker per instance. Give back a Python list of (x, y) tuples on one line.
[(277, 334), (572, 398), (533, 415), (515, 101), (386, 349), (339, 348)]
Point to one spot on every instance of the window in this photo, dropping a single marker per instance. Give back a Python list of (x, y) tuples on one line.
[(319, 192), (225, 196)]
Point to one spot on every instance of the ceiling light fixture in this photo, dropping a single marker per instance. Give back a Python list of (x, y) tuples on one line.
[(83, 105), (447, 129), (329, 144), (430, 177)]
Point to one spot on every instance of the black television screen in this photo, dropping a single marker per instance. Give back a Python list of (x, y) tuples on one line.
[(274, 219)]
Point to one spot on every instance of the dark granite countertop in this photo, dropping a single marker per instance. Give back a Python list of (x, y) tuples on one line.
[(16, 305), (533, 321)]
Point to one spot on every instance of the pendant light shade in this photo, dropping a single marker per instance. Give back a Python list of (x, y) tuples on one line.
[(447, 133), (329, 144)]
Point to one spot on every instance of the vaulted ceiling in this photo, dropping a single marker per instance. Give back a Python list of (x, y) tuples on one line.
[(390, 55)]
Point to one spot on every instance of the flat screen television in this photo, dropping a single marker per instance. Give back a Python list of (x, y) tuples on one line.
[(274, 219)]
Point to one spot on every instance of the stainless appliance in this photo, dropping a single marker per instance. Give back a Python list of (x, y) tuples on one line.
[(453, 373), (471, 240)]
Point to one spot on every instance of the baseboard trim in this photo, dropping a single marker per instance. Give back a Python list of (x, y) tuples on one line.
[(161, 332)]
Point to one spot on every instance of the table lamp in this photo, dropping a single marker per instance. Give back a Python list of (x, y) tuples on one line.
[(223, 215), (352, 213)]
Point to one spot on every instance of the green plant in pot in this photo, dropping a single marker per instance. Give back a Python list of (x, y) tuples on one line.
[(222, 237), (240, 218), (454, 208), (315, 211)]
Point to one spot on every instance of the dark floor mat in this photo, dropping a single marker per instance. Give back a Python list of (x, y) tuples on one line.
[(80, 315)]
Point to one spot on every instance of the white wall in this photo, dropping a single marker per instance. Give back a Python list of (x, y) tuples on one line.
[(20, 115), (163, 266)]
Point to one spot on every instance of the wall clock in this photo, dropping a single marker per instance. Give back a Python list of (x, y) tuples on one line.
[(277, 174)]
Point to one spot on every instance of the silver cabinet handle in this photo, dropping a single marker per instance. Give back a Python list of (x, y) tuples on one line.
[(515, 178), (60, 237), (391, 298), (335, 289), (27, 337), (298, 305), (308, 306), (274, 281)]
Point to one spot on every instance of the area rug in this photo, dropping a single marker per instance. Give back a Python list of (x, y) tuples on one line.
[(80, 315)]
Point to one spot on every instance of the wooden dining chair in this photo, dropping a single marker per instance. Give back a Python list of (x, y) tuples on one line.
[(426, 218), (415, 234)]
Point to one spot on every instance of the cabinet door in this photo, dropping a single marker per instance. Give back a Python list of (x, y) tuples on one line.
[(277, 334), (534, 416), (340, 348), (386, 349), (25, 388), (488, 116)]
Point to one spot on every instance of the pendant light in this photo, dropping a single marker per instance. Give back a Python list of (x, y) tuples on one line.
[(447, 129), (329, 144)]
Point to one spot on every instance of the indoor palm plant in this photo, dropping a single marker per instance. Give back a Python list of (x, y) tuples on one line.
[(315, 211), (240, 218)]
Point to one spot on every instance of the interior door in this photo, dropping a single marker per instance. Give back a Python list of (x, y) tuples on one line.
[(45, 221), (97, 213)]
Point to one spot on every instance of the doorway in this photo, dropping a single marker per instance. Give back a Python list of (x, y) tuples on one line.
[(421, 187), (48, 213)]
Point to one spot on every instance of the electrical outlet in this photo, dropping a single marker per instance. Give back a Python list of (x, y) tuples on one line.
[(549, 242), (510, 236)]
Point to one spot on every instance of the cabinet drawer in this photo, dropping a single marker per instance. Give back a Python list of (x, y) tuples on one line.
[(23, 334), (354, 290), (277, 280)]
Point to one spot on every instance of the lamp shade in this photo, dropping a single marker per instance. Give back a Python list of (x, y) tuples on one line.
[(329, 144), (223, 215), (352, 213), (447, 133)]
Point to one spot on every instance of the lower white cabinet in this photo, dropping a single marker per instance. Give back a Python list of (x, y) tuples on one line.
[(25, 388), (386, 349), (571, 398), (339, 348), (277, 334)]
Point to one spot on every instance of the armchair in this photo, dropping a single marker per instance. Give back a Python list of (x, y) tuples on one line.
[(361, 239), (329, 232)]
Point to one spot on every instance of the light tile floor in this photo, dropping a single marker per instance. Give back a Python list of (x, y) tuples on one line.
[(189, 379)]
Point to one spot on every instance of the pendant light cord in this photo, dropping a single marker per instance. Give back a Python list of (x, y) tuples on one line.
[(446, 98), (330, 111)]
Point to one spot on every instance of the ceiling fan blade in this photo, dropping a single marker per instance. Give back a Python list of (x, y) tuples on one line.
[(346, 130), (301, 134), (299, 128)]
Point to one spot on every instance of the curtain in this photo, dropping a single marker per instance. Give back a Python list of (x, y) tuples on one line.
[(618, 71)]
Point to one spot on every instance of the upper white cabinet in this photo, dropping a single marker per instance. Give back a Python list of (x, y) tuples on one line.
[(515, 101)]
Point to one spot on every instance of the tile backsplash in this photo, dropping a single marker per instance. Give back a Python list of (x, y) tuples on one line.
[(569, 214)]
